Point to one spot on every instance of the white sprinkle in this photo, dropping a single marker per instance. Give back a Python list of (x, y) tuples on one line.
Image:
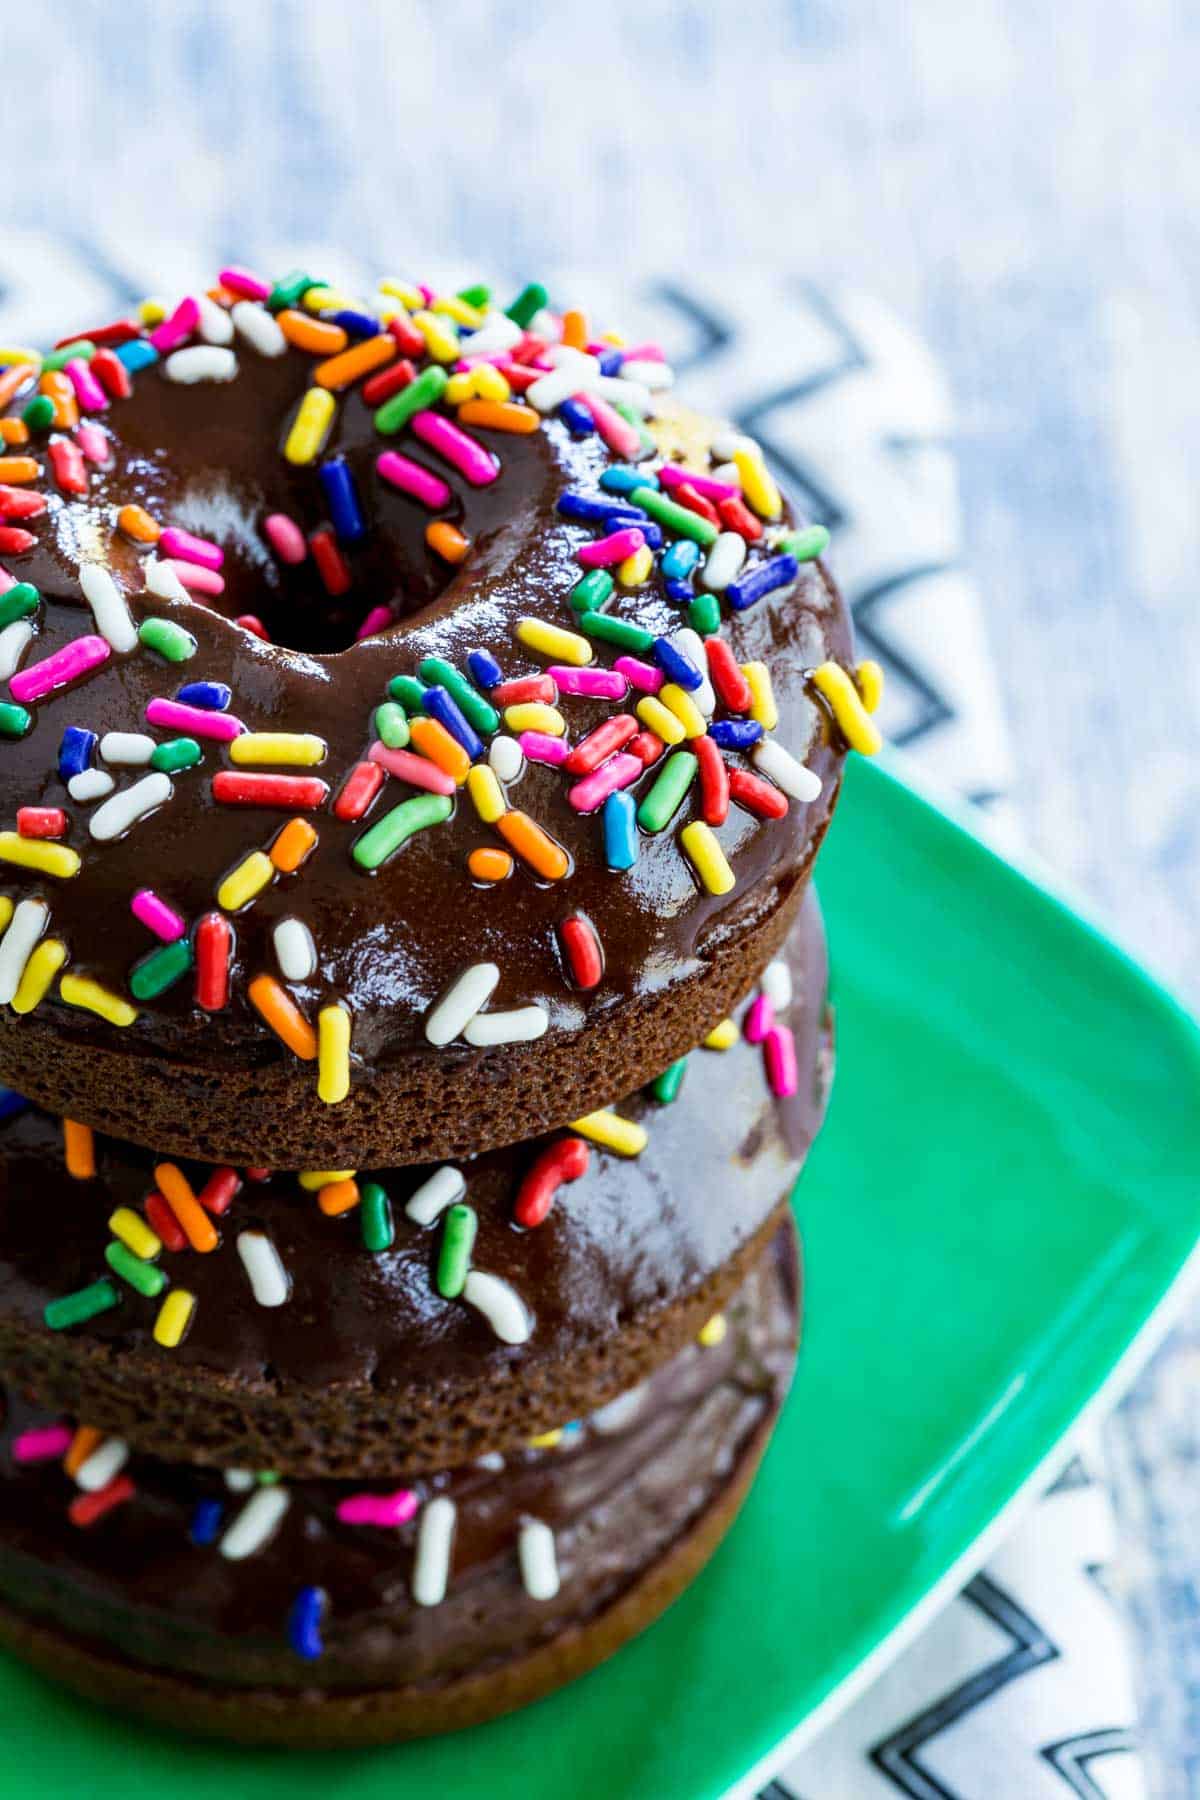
[(506, 757), (729, 473), (127, 747), (98, 1469), (216, 326), (781, 767), (726, 445), (90, 784), (269, 1279), (776, 984), (259, 328), (654, 375), (460, 1003), (108, 607), (538, 1559), (501, 1306), (295, 951), (724, 560), (491, 1460), (115, 817), (519, 1026), (256, 1524), (573, 373), (435, 1535), (615, 388), (442, 1189), (239, 1481), (161, 579), (15, 639), (619, 1413), (498, 332), (16, 946), (200, 362), (688, 641)]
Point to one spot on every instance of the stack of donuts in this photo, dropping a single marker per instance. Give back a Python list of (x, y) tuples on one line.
[(416, 733)]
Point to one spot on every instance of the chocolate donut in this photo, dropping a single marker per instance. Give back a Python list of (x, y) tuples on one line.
[(381, 776)]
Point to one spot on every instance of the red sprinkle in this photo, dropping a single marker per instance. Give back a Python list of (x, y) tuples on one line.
[(258, 1174), (21, 503), (529, 348), (41, 822), (358, 790), (407, 336), (731, 685), (565, 1161), (527, 687), (736, 516), (583, 950), (162, 1220), (331, 564), (85, 1509), (233, 788), (121, 331), (695, 502), (14, 541), (112, 375), (756, 795), (714, 782), (601, 743), (518, 378), (66, 459), (219, 1191), (646, 747), (213, 947), (253, 624), (389, 381)]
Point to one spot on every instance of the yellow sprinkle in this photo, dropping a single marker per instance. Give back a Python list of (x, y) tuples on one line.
[(458, 309), (533, 715), (554, 642), (6, 912), (868, 679), (36, 853), (152, 311), (458, 389), (18, 353), (313, 1180), (333, 1053), (612, 1131), (310, 427), (706, 856), (440, 341), (326, 299), (762, 706), (81, 990), (40, 970), (660, 720), (486, 792), (174, 1317), (134, 1233), (404, 291), (615, 338), (713, 1332), (250, 877), (635, 570), (297, 749), (546, 1440), (853, 719), (489, 383), (723, 1036), (757, 484), (685, 709)]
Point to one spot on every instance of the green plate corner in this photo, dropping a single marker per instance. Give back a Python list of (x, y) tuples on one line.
[(1004, 1196)]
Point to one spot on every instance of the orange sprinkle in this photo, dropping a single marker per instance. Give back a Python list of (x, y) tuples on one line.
[(574, 330), (534, 846), (66, 406), (87, 1438), (80, 1145), (292, 845), (320, 336), (435, 742), (500, 415), (489, 865), (14, 379), (337, 1197), (136, 523), (14, 431), (446, 541), (283, 1016), (222, 295), (195, 1223), (360, 359), (18, 469)]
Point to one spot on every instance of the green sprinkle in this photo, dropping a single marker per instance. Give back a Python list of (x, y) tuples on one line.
[(454, 1258), (155, 973), (477, 711), (590, 594), (666, 796), (667, 1085), (704, 614), (176, 753), (84, 1303), (375, 1215), (19, 603), (805, 545), (529, 301), (396, 827), (408, 691), (477, 295), (83, 351), (395, 413), (391, 725), (609, 630), (140, 1275), (649, 447), (676, 518), (39, 413), (268, 1477), (290, 290), (169, 639), (14, 720)]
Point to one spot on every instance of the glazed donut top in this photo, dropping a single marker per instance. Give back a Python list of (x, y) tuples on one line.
[(358, 660)]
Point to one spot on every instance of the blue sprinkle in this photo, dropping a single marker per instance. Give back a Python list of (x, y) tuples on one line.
[(576, 418), (735, 734), (682, 591), (445, 709), (137, 354), (206, 1521), (358, 324), (304, 1623), (341, 495), (676, 666), (681, 558), (610, 361), (651, 532), (485, 670), (595, 512), (764, 578), (75, 751), (11, 1104), (620, 831), (213, 696), (621, 479)]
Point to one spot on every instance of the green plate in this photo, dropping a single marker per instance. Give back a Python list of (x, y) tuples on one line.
[(1003, 1197)]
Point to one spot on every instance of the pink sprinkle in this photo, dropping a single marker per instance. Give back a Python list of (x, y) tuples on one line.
[(241, 281), (94, 443), (178, 328), (612, 549), (472, 461), (417, 770), (759, 1020), (190, 548), (427, 294), (642, 353), (377, 619), (597, 684), (194, 578), (42, 1444), (640, 674), (539, 746), (617, 432), (157, 916), (285, 538), (68, 664), (671, 477), (90, 394), (194, 720), (779, 1049), (6, 581), (378, 1509), (412, 479), (594, 789)]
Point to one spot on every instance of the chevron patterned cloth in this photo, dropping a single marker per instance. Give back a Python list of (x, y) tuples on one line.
[(1020, 1688)]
